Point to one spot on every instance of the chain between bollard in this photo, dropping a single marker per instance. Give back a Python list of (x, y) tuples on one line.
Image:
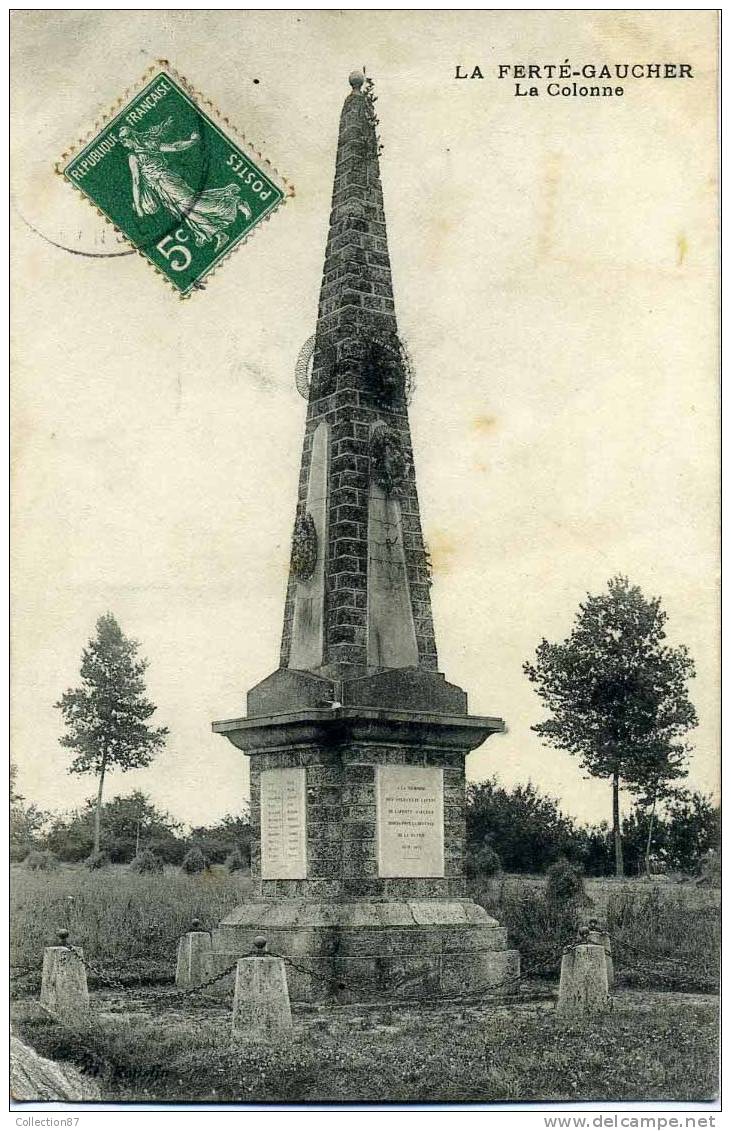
[(644, 953), (113, 983), (173, 995), (506, 985)]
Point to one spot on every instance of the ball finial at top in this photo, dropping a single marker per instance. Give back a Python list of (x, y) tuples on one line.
[(356, 79)]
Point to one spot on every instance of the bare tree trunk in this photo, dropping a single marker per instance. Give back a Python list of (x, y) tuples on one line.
[(618, 858), (648, 847), (98, 810)]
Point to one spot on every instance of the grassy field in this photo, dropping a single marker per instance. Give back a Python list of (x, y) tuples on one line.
[(650, 1047), (128, 924), (664, 935)]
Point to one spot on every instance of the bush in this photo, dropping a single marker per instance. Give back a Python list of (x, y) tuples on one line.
[(526, 828), (538, 928), (123, 820), (41, 860), (18, 852), (146, 861), (169, 849), (653, 947), (97, 860), (540, 921), (564, 885), (710, 870), (216, 842), (71, 838), (194, 862), (234, 861), (482, 861)]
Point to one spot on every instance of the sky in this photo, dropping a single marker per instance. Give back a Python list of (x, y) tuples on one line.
[(554, 265)]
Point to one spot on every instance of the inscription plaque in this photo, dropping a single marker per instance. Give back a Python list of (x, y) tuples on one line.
[(283, 827), (410, 818)]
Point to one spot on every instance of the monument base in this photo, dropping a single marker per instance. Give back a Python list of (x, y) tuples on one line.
[(358, 952), (358, 819)]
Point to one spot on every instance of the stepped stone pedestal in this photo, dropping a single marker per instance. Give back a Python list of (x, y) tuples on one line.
[(352, 952), (358, 865), (357, 742)]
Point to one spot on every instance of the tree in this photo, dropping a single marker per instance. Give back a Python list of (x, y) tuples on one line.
[(693, 829), (687, 827), (26, 821), (133, 822), (617, 695), (106, 717), (526, 829), (657, 791), (71, 836), (128, 824), (15, 797), (231, 833)]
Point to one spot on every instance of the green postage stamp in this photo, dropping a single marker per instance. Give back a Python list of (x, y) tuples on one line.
[(180, 189)]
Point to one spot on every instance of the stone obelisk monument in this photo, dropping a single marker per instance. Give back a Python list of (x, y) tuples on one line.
[(357, 742)]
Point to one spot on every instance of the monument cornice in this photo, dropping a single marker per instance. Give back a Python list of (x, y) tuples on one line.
[(341, 725)]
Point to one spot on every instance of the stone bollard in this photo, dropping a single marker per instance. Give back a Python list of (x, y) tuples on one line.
[(64, 991), (261, 999), (598, 935), (193, 950), (583, 989)]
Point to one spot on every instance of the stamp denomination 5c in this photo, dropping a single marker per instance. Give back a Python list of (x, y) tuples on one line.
[(174, 181)]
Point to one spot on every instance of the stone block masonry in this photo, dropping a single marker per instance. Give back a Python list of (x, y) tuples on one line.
[(191, 968), (357, 743), (341, 821), (356, 338)]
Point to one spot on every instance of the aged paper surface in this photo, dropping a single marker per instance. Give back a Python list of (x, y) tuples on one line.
[(554, 260), (554, 272)]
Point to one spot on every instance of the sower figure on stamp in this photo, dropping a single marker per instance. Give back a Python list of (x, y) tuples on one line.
[(207, 212)]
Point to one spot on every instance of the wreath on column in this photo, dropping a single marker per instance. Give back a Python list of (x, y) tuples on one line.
[(388, 463), (304, 547)]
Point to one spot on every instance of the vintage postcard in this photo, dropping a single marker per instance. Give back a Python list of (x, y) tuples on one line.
[(365, 736)]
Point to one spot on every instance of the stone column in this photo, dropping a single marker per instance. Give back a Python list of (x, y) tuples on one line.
[(583, 989), (600, 937), (193, 951), (357, 741), (64, 991), (261, 1000)]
